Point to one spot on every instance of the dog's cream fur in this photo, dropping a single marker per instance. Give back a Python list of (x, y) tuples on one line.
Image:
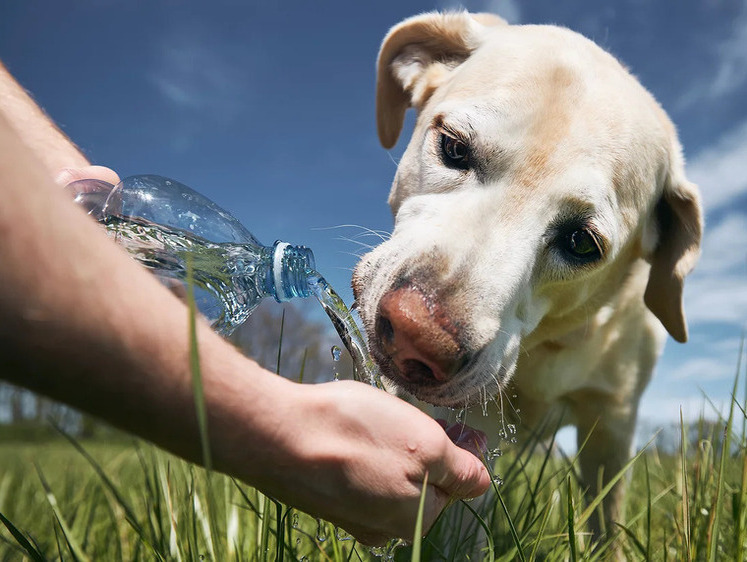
[(558, 131)]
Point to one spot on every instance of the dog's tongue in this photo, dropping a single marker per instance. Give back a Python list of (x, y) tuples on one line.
[(469, 439)]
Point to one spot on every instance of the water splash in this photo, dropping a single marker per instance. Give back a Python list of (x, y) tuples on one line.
[(336, 353), (364, 369), (493, 454), (387, 551)]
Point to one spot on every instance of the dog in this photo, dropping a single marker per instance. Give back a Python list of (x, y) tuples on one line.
[(543, 230)]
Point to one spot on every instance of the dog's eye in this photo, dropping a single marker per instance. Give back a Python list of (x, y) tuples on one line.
[(583, 245), (455, 152)]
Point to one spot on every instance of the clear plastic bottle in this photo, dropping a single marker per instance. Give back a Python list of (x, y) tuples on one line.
[(163, 224)]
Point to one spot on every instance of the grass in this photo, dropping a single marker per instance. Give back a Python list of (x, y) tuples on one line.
[(124, 502), (127, 500), (66, 500)]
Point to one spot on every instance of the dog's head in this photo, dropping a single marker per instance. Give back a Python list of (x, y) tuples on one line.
[(539, 171)]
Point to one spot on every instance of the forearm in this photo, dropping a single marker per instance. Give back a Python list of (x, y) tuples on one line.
[(81, 322), (35, 129)]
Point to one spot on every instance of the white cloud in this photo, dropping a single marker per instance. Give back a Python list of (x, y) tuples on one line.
[(721, 170), (724, 246), (710, 298), (707, 368), (666, 410), (717, 290), (191, 77), (730, 71)]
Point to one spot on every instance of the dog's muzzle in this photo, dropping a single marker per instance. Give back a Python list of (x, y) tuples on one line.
[(417, 339)]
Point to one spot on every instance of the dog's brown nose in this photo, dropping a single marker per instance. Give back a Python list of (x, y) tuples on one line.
[(418, 336)]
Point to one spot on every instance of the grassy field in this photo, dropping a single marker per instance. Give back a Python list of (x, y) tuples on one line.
[(63, 500), (123, 500)]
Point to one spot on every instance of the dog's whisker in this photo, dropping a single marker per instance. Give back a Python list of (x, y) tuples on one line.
[(357, 242), (381, 234), (396, 164)]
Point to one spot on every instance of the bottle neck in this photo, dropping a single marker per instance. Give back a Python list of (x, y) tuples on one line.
[(290, 269)]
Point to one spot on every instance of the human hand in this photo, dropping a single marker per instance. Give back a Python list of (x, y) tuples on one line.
[(68, 175), (358, 457)]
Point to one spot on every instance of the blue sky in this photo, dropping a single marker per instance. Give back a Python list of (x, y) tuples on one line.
[(268, 108)]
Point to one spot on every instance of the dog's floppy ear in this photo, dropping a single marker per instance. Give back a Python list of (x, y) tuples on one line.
[(679, 222), (416, 57)]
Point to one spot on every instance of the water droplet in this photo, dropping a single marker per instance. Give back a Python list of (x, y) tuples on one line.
[(304, 559), (341, 535), (336, 353), (494, 454), (497, 480), (298, 542), (377, 551), (512, 428), (460, 416), (485, 408), (294, 521), (321, 532)]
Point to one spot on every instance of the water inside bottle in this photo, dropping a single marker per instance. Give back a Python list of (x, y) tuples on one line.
[(225, 290)]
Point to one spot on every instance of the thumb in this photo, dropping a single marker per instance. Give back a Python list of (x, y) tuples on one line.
[(460, 474), (69, 175)]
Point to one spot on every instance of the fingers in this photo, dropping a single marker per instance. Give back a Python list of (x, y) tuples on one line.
[(404, 526), (459, 473), (68, 175)]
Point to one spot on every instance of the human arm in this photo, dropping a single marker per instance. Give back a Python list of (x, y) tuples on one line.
[(81, 322)]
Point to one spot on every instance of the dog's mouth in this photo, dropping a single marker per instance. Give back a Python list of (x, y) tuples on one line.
[(469, 386)]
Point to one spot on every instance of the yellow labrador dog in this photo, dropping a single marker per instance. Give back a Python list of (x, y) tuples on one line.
[(543, 228)]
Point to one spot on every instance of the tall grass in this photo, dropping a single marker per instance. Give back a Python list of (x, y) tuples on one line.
[(68, 500)]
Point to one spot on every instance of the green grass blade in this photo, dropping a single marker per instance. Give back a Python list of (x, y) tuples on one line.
[(32, 551), (571, 526), (685, 493), (715, 526), (417, 539), (303, 365), (740, 517), (539, 480), (129, 513), (636, 542), (245, 497), (70, 539), (543, 526), (648, 509), (280, 343), (279, 531), (511, 527), (194, 367), (165, 484), (486, 528)]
